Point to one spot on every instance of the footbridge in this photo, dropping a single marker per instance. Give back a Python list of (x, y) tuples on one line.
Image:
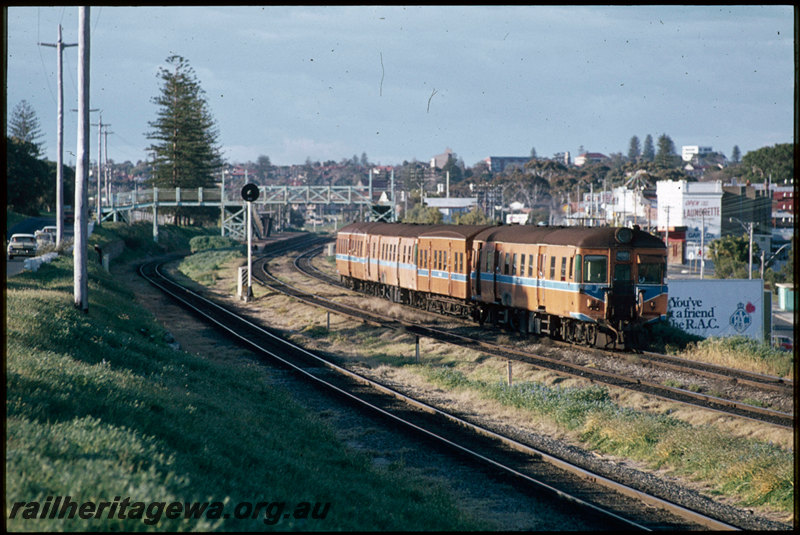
[(121, 206)]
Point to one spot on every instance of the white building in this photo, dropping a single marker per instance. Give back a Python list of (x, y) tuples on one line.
[(621, 206), (450, 206), (694, 205), (688, 151)]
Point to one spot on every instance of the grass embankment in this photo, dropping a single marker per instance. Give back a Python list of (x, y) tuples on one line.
[(100, 408), (12, 218), (735, 352), (752, 472), (209, 254)]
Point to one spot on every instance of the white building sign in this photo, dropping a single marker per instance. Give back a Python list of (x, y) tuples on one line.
[(730, 307)]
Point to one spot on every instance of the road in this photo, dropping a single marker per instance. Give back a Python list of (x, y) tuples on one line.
[(29, 226), (32, 224)]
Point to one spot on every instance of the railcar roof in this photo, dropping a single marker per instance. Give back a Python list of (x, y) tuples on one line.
[(600, 237), (414, 230)]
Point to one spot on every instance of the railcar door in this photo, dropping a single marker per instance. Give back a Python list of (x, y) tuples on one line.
[(477, 261), (487, 282), (623, 298), (540, 270)]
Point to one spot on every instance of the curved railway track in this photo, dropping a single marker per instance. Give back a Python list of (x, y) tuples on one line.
[(732, 407), (616, 505)]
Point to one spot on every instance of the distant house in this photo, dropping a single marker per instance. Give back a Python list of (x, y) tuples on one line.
[(440, 160), (450, 206), (589, 157), (498, 164), (690, 151)]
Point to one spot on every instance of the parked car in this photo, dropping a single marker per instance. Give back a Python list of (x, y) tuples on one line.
[(21, 245), (784, 343), (46, 236)]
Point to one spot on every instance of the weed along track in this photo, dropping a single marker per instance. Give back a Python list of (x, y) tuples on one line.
[(725, 390), (609, 498)]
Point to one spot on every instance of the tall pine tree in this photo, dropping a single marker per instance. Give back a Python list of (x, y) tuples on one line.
[(184, 134), (648, 151), (23, 125), (634, 151)]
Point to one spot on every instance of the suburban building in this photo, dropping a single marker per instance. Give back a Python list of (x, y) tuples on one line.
[(718, 209), (589, 157), (440, 160), (450, 206), (498, 164), (689, 151)]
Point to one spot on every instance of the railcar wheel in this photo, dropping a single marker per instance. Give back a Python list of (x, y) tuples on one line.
[(580, 333), (591, 335)]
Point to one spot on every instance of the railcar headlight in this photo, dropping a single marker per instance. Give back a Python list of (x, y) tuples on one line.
[(624, 235)]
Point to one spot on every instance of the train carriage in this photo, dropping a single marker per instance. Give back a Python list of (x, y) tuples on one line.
[(566, 282), (351, 251), (570, 282), (445, 253)]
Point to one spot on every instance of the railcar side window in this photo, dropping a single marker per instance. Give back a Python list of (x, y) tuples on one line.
[(552, 268), (651, 273), (530, 265), (595, 268), (563, 268), (522, 265), (514, 264), (578, 274)]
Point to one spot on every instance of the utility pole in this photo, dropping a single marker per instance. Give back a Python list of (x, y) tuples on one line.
[(750, 265), (100, 126), (106, 169), (80, 272), (60, 46), (703, 244)]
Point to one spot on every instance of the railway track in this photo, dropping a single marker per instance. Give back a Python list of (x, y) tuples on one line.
[(742, 377), (616, 506), (640, 382)]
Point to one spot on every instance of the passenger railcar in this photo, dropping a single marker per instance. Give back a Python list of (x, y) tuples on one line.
[(570, 282), (566, 282)]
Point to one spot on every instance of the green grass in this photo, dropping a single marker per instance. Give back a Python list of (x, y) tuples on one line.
[(12, 218), (98, 406), (138, 238), (742, 352), (202, 243), (203, 267), (751, 471)]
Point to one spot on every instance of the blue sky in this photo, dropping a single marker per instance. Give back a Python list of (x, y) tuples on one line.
[(403, 83)]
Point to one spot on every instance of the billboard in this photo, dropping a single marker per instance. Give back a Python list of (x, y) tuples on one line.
[(715, 307)]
